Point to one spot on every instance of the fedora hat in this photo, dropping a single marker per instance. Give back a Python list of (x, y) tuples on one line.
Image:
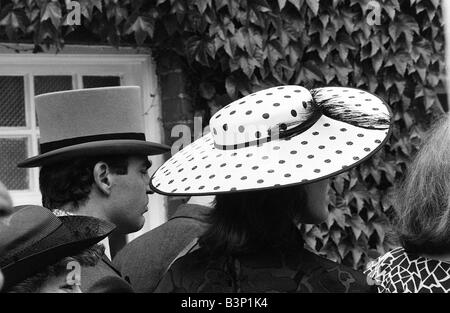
[(89, 122), (277, 137), (33, 238)]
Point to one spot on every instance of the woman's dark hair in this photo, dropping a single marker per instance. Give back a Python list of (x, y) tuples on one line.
[(88, 257), (246, 221), (423, 200), (71, 181)]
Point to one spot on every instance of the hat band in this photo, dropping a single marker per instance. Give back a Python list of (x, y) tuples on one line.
[(54, 145), (279, 131)]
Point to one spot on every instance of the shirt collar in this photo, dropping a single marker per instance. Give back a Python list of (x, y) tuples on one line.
[(104, 242)]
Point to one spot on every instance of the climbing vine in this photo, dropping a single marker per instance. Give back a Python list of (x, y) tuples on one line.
[(393, 48)]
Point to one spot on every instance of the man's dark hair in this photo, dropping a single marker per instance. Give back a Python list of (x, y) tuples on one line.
[(246, 221), (71, 181)]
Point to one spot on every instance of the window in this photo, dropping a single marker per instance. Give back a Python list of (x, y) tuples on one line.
[(22, 76)]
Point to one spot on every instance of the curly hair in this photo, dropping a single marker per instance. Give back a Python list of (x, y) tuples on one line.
[(33, 284), (71, 181), (423, 199)]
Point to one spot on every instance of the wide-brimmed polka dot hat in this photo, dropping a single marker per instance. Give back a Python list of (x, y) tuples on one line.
[(279, 137)]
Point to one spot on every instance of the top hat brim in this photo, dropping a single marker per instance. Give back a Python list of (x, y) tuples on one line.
[(76, 234), (105, 147)]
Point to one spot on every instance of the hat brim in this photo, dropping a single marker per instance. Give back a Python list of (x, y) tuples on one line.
[(76, 234), (106, 147), (202, 169)]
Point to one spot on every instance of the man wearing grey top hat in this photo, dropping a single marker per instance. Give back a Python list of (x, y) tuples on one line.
[(93, 159)]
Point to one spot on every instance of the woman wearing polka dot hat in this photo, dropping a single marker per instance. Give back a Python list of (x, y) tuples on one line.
[(267, 159)]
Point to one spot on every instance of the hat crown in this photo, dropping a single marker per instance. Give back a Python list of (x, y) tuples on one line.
[(89, 112), (253, 117), (26, 226)]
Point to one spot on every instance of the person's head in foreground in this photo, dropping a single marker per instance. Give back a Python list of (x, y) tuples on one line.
[(422, 225), (5, 209), (44, 253), (94, 154), (5, 201), (268, 159), (423, 199)]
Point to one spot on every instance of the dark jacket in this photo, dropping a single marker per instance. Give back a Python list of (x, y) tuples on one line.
[(146, 259), (270, 270), (103, 278)]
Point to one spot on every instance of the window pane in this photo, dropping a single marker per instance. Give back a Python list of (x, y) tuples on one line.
[(12, 151), (45, 84), (100, 81), (12, 101)]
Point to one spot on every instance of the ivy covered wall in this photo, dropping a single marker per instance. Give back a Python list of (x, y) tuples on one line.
[(230, 48)]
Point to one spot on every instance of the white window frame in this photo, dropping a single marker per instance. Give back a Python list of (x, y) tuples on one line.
[(132, 68)]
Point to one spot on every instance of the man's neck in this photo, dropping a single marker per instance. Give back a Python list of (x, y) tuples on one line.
[(87, 209), (115, 240)]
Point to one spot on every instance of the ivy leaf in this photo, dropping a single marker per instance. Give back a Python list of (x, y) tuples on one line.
[(52, 11), (357, 253), (272, 53), (400, 61), (11, 19), (336, 236), (406, 25), (377, 61), (141, 27), (379, 228), (297, 3), (421, 48), (313, 5), (230, 86), (309, 72), (207, 90), (338, 216), (202, 5), (281, 4), (357, 225), (247, 64)]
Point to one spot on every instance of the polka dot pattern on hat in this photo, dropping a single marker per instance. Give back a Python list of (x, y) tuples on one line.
[(327, 148)]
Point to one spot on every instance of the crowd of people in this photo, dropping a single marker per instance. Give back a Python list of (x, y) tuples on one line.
[(263, 170)]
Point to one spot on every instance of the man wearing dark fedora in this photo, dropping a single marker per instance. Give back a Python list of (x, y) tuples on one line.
[(40, 252), (93, 159)]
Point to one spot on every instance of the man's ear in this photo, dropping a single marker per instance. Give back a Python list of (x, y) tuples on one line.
[(102, 177)]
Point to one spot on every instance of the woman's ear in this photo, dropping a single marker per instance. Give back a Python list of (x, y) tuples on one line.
[(102, 177)]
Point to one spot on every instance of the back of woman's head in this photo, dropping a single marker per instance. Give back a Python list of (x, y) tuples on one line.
[(423, 200), (245, 221)]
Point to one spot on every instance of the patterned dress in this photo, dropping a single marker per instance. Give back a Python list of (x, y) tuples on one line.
[(399, 271), (264, 271)]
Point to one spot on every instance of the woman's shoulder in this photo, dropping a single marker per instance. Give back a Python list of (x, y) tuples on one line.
[(400, 271)]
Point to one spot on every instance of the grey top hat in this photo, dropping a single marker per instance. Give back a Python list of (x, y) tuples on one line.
[(88, 122)]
